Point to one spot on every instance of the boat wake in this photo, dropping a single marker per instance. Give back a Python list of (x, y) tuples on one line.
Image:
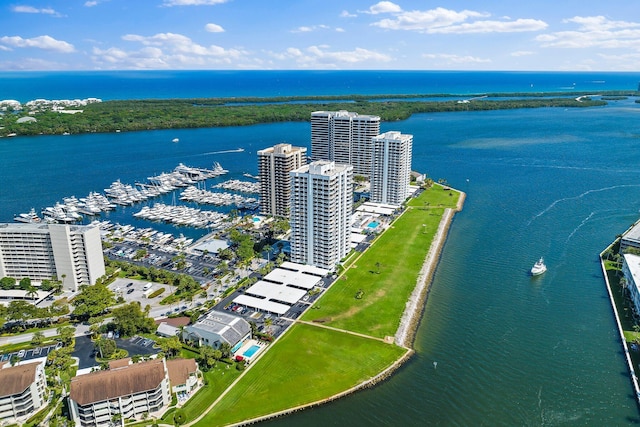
[(586, 193), (575, 230), (237, 150)]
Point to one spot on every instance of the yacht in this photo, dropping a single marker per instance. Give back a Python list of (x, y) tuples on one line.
[(538, 268), (30, 217)]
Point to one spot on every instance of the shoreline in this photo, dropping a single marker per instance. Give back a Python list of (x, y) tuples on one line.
[(633, 377), (417, 302), (409, 321)]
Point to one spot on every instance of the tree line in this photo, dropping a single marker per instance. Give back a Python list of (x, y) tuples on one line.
[(137, 115)]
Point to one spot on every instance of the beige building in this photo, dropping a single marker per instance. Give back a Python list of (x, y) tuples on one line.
[(71, 253), (183, 375), (344, 137), (391, 168), (122, 392), (274, 165), (321, 205), (22, 391)]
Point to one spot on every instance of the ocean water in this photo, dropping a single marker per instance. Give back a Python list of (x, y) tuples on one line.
[(204, 84), (495, 346)]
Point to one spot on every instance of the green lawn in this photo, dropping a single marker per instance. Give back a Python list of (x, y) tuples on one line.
[(436, 196), (386, 274), (400, 253), (308, 364)]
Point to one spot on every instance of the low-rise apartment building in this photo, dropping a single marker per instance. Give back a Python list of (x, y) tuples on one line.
[(132, 391), (22, 391)]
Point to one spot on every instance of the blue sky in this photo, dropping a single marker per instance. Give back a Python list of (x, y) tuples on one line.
[(571, 35)]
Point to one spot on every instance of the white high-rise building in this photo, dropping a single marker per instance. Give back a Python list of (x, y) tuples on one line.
[(344, 137), (274, 165), (391, 168), (70, 253), (321, 205)]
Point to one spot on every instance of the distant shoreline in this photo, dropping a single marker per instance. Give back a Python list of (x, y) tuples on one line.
[(185, 113)]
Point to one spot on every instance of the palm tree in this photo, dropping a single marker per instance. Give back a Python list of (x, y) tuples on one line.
[(32, 292)]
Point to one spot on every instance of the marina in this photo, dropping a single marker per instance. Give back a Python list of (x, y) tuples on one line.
[(241, 186), (182, 215), (193, 194), (72, 210)]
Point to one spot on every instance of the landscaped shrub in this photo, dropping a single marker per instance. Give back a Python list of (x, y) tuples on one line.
[(156, 293)]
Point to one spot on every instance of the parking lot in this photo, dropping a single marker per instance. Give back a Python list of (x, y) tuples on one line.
[(86, 353), (195, 265), (134, 290), (32, 353)]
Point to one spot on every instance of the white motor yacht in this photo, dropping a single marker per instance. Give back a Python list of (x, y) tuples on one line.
[(538, 268)]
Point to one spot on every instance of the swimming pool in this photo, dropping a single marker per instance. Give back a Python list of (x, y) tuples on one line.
[(251, 351), (373, 224)]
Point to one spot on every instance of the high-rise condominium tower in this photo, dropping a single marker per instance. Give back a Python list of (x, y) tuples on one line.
[(391, 168), (71, 253), (344, 137), (321, 204), (274, 165)]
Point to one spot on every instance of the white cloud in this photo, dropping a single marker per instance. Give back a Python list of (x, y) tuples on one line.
[(519, 25), (31, 9), (522, 53), (346, 14), (594, 32), (384, 7), (214, 28), (340, 30), (599, 23), (40, 42), (426, 21), (455, 59), (91, 3), (166, 50), (309, 29), (170, 3), (321, 56), (447, 21), (177, 43)]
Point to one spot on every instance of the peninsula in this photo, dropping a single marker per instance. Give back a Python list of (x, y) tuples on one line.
[(357, 334), (137, 115)]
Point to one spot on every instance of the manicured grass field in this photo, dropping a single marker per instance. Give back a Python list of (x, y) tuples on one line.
[(308, 364), (436, 196), (386, 274)]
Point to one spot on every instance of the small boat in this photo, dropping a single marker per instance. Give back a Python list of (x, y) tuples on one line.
[(538, 268), (175, 140)]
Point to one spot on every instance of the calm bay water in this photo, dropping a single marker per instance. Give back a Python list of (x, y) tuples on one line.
[(510, 350)]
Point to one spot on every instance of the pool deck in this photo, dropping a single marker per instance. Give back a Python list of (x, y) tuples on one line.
[(246, 346)]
